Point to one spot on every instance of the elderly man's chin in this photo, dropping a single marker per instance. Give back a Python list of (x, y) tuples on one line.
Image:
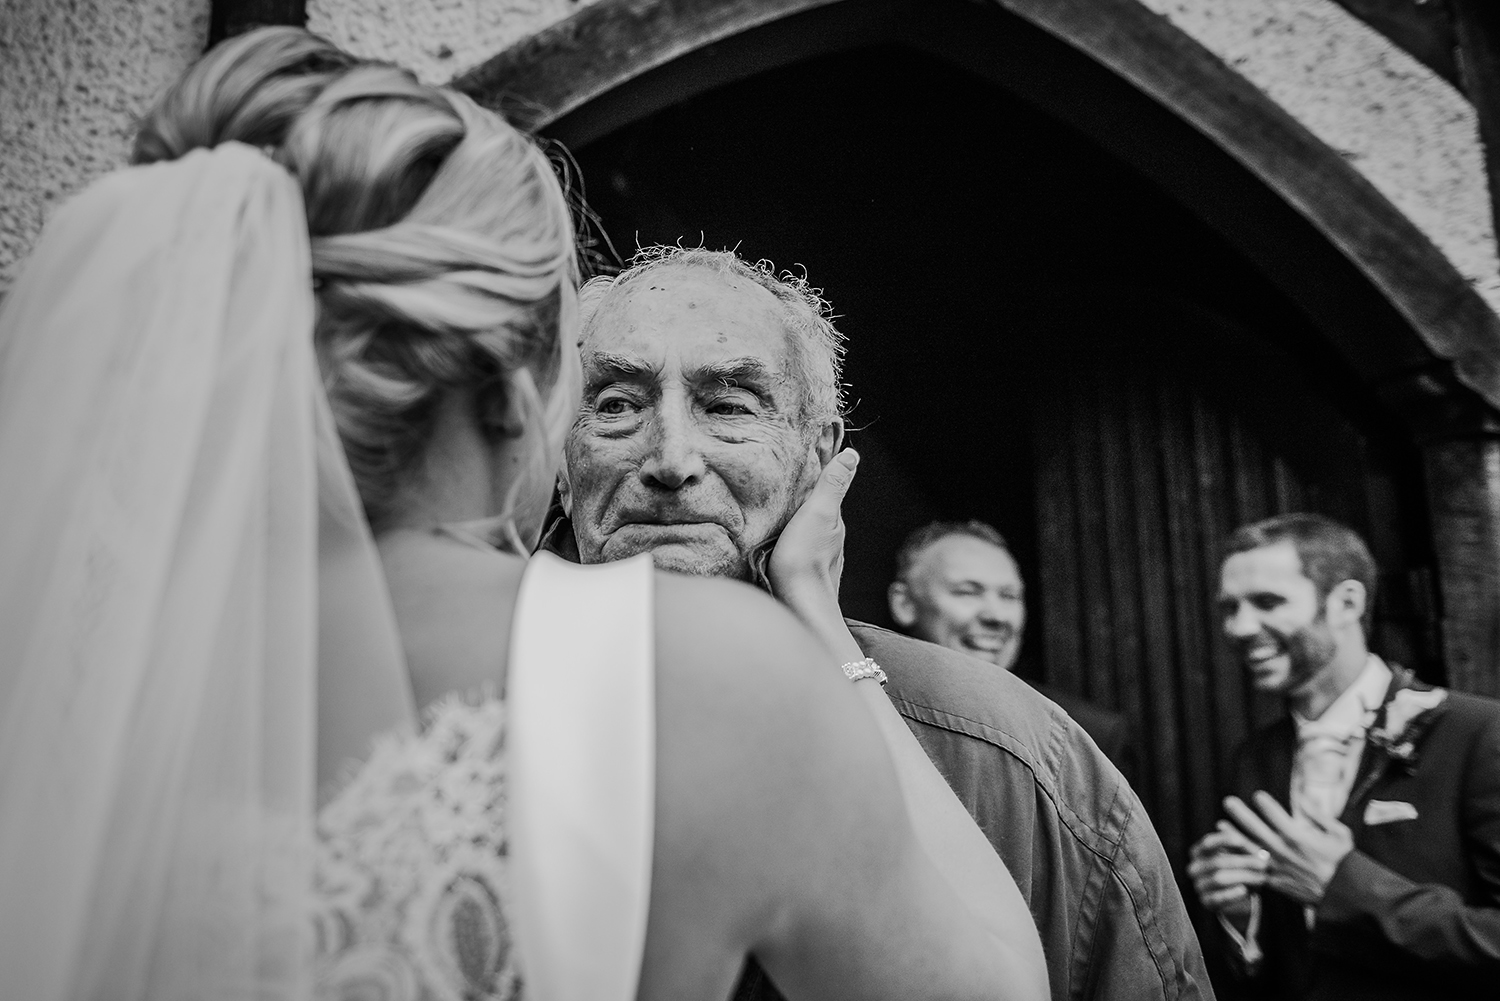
[(703, 550)]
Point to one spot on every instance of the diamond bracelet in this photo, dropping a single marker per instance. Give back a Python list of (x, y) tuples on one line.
[(859, 670)]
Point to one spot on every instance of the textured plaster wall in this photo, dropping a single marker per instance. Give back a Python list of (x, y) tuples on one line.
[(1411, 134), (74, 74), (437, 39)]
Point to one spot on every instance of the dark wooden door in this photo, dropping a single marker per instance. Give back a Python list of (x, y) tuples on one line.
[(1150, 447)]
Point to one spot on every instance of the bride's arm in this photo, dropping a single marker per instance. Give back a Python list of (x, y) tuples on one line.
[(782, 829), (959, 849), (805, 572)]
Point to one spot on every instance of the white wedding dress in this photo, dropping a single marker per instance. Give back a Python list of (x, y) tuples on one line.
[(416, 891), (412, 861)]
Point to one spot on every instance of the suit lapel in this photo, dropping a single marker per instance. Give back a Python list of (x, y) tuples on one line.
[(1373, 762)]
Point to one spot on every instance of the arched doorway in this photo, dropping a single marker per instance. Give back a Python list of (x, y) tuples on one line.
[(1076, 309)]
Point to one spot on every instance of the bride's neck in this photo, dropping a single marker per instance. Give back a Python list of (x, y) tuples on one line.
[(455, 478)]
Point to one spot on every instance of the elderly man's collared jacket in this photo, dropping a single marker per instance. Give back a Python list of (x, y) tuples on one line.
[(1064, 821)]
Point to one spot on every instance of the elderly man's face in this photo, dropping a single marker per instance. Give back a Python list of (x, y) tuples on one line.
[(688, 443)]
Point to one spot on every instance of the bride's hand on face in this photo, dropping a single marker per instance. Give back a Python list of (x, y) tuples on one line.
[(808, 560)]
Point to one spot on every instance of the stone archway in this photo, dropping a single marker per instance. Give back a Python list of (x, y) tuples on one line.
[(1391, 305), (616, 61)]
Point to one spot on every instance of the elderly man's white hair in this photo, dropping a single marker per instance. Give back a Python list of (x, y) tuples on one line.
[(817, 346)]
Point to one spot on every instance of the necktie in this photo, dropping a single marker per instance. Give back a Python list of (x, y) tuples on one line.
[(1326, 758), (1325, 764)]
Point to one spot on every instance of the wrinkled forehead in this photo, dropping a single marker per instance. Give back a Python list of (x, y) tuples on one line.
[(690, 314)]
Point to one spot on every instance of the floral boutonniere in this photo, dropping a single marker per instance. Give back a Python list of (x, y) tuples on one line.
[(1403, 720)]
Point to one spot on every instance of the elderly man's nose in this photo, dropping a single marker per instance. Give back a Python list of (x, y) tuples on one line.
[(675, 458)]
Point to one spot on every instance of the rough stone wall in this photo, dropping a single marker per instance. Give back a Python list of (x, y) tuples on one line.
[(437, 39), (74, 76)]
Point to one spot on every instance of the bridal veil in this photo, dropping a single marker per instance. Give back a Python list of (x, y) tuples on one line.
[(164, 448), (193, 616)]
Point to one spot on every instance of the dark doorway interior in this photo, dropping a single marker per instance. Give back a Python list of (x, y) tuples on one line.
[(1041, 338)]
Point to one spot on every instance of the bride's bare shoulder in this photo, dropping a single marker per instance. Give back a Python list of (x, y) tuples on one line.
[(741, 625)]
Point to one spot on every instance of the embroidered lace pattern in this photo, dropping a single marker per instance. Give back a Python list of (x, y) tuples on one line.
[(411, 864)]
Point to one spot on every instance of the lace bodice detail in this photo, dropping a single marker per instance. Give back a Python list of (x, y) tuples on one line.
[(411, 867)]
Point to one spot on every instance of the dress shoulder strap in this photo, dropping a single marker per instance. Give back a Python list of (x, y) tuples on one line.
[(581, 698)]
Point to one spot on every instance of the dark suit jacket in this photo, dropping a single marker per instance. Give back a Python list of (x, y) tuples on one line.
[(1414, 911)]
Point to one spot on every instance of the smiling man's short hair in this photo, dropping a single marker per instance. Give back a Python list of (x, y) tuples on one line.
[(1330, 552), (919, 540), (818, 346)]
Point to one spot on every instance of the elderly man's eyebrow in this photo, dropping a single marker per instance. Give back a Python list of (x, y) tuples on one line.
[(749, 372), (603, 367)]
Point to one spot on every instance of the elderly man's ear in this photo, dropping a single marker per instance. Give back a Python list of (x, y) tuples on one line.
[(820, 453), (830, 442)]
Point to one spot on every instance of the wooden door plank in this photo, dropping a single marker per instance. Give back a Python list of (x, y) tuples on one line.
[(1057, 539), (1217, 518), (1160, 695), (1191, 613), (1098, 667)]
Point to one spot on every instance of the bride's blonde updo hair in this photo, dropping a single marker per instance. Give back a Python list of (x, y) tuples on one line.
[(442, 243)]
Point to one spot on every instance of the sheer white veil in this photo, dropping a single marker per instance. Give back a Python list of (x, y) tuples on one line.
[(179, 537)]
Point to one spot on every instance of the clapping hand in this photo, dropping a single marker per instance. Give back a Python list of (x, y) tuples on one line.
[(1304, 851), (1226, 868)]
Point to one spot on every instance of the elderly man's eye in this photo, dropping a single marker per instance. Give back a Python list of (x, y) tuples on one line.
[(615, 406), (731, 403)]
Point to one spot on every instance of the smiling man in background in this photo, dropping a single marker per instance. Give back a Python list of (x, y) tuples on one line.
[(957, 585), (1370, 865)]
